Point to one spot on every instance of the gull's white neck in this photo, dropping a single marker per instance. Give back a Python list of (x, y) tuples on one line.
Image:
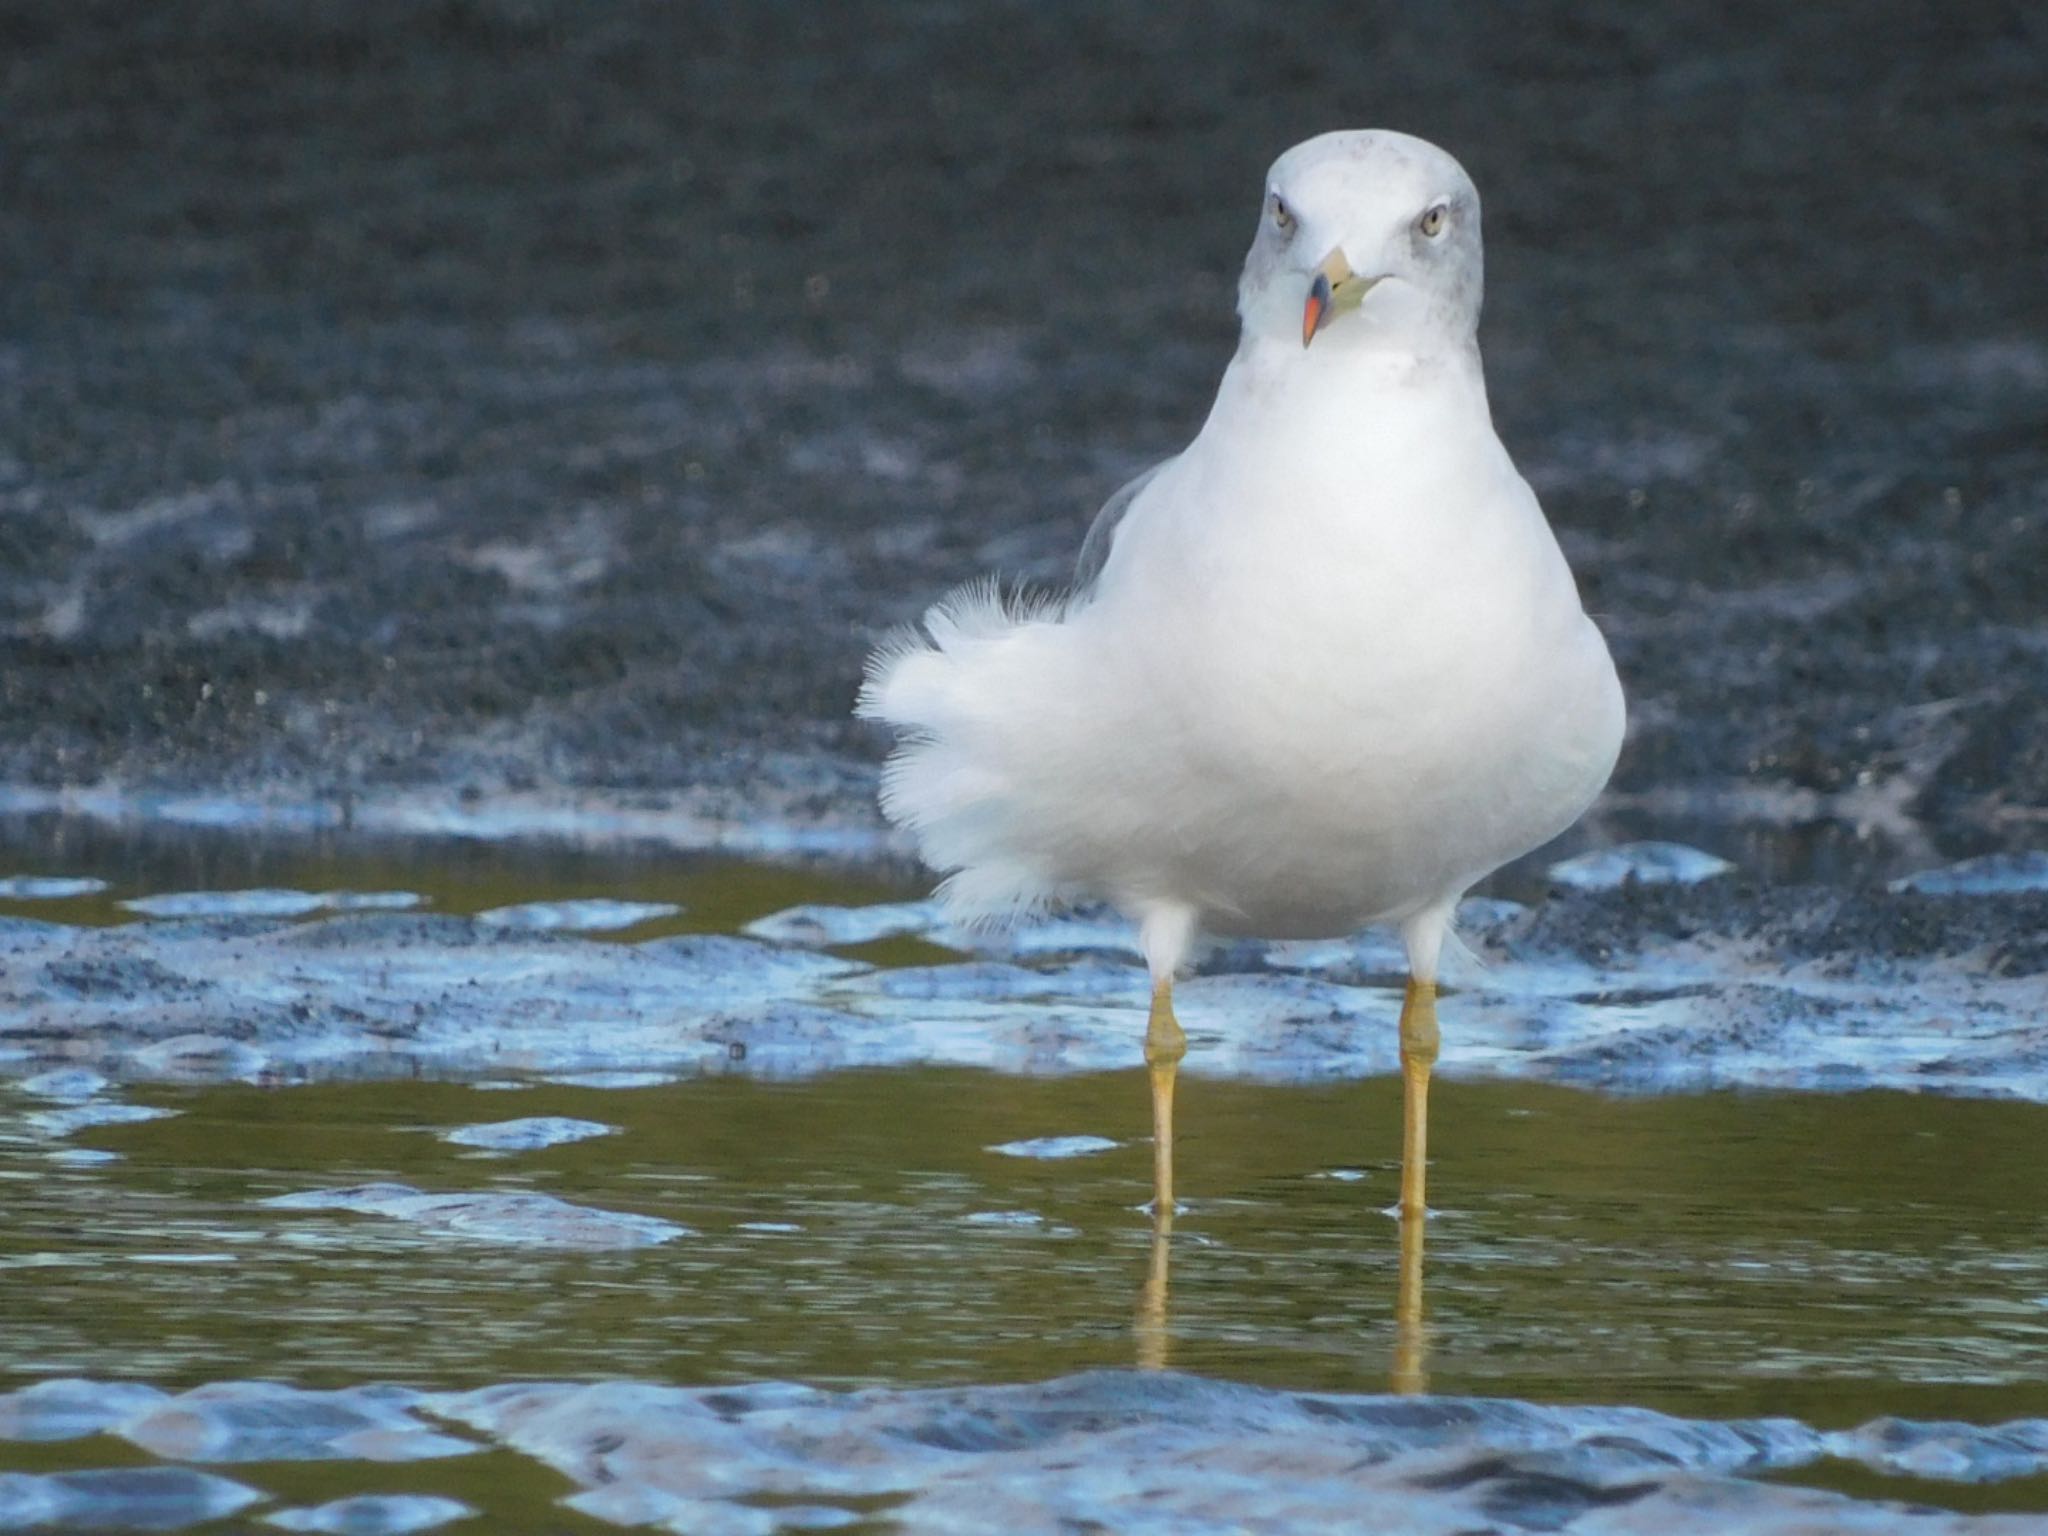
[(1349, 413), (1270, 371)]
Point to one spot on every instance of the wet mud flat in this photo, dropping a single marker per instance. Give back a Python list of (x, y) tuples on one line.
[(306, 1180), (1660, 969)]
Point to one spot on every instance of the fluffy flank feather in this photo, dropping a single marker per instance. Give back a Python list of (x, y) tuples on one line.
[(947, 782)]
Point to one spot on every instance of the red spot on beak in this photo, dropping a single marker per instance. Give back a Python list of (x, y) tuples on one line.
[(1317, 312)]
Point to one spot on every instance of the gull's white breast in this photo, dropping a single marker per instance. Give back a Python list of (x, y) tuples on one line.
[(1343, 665)]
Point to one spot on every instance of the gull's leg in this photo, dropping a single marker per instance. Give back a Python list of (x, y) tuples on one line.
[(1165, 1044), (1418, 1054), (1424, 936), (1165, 934)]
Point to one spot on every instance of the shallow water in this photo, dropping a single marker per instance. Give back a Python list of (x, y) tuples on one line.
[(140, 846), (1725, 1254), (716, 894), (1826, 1258)]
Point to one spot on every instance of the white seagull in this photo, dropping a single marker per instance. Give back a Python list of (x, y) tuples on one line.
[(1325, 667)]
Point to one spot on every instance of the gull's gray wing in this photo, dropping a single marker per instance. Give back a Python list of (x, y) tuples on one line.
[(1102, 532)]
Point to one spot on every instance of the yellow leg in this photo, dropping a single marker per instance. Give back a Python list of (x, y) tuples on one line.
[(1418, 1054), (1165, 1044)]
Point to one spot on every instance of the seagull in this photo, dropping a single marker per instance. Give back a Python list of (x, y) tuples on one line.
[(1324, 668)]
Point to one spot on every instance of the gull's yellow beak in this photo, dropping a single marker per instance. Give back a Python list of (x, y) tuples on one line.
[(1334, 287)]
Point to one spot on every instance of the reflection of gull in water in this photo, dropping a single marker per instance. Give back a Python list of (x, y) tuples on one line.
[(1153, 1326), (1155, 1323), (1411, 1336), (1325, 667)]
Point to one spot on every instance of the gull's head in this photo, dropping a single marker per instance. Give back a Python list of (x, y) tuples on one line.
[(1368, 234)]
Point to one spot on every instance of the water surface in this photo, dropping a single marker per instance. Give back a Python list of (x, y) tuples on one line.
[(1726, 1254), (1829, 1258)]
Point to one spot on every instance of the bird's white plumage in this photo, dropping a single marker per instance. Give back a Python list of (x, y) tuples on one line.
[(1333, 669)]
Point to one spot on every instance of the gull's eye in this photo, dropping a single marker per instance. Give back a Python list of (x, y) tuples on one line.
[(1283, 216), (1432, 222)]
